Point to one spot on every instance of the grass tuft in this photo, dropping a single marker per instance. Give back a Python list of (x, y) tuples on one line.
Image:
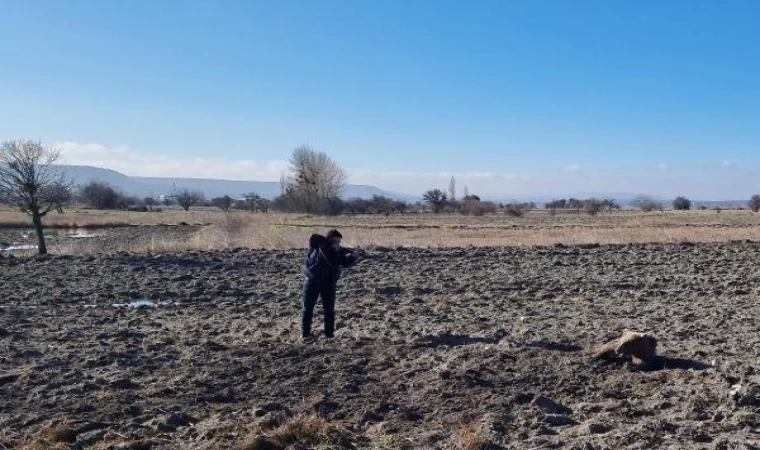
[(310, 431)]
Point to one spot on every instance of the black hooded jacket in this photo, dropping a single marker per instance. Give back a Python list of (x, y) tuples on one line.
[(323, 261)]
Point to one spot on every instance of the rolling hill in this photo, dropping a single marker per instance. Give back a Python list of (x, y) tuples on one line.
[(155, 187)]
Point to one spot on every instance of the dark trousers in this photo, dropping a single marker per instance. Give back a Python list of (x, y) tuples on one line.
[(313, 288)]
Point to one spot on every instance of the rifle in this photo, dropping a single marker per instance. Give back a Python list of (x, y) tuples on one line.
[(363, 253)]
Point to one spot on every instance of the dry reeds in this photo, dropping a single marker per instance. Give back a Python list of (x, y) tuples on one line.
[(222, 230)]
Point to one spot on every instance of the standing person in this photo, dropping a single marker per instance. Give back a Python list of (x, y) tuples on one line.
[(323, 269)]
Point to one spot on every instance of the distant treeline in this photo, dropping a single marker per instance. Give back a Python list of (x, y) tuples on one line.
[(102, 196), (315, 181)]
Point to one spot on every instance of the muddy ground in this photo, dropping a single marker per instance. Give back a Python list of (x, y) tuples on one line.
[(456, 348)]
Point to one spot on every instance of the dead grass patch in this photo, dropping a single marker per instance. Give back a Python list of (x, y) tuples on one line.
[(311, 431), (51, 436), (470, 436)]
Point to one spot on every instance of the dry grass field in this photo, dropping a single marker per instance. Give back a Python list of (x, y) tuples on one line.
[(176, 230)]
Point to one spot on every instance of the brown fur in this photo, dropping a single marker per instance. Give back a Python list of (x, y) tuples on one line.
[(639, 346)]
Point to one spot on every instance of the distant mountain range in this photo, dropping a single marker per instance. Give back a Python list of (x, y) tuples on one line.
[(156, 187)]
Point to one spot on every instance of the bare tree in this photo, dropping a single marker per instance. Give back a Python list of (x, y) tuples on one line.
[(436, 198), (466, 191), (647, 204), (61, 195), (187, 198), (453, 189), (30, 181), (314, 182)]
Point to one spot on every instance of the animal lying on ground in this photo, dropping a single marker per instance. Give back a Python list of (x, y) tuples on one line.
[(638, 346)]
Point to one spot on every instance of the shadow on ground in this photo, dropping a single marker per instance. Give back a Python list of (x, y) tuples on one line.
[(668, 363), (456, 340), (459, 340)]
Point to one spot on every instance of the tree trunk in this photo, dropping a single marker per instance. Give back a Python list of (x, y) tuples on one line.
[(41, 246)]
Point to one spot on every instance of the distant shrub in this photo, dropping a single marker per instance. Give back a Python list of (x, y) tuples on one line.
[(647, 204), (472, 207), (150, 202), (223, 203), (575, 204), (554, 205), (609, 204), (325, 206), (754, 203), (382, 205), (232, 225), (103, 196), (592, 206), (681, 204), (255, 203), (515, 209)]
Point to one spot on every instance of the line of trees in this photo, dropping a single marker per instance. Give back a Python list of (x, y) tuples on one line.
[(31, 181), (252, 202), (591, 206), (100, 195), (439, 201), (378, 204)]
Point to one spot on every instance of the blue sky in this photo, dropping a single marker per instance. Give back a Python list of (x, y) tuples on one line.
[(514, 98)]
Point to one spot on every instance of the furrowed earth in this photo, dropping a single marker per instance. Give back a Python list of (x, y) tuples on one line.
[(450, 348)]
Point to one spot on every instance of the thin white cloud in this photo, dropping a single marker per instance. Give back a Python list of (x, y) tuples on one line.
[(434, 175), (662, 166), (133, 162), (572, 168), (726, 164)]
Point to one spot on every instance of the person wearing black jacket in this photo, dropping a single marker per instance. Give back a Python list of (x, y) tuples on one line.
[(322, 269)]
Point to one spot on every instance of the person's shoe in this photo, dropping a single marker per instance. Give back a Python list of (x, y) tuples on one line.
[(306, 339)]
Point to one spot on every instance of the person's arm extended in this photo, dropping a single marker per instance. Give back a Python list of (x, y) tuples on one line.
[(348, 257)]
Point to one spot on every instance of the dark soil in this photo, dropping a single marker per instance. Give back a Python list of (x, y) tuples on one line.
[(430, 344)]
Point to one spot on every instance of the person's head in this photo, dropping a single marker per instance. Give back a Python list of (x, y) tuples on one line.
[(335, 237)]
